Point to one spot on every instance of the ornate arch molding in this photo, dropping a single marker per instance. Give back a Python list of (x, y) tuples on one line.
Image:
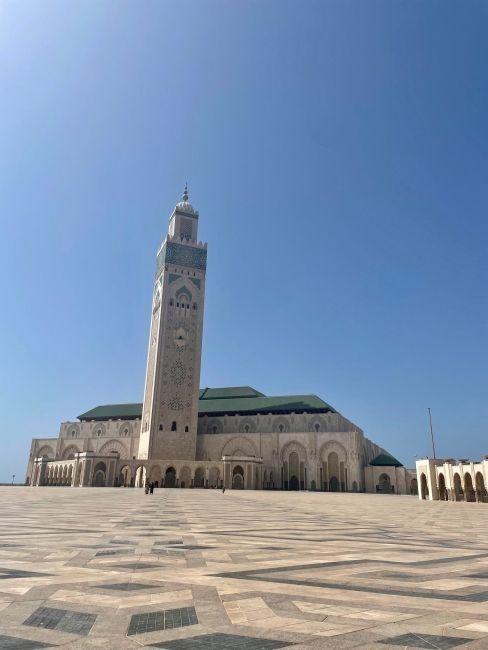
[(294, 446), (98, 426), (281, 421), (113, 445), (70, 449), (331, 446), (216, 424), (183, 291), (73, 427), (247, 425), (46, 450), (317, 419), (123, 427), (238, 444)]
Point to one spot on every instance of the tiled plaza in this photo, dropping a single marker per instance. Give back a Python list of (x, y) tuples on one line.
[(202, 570)]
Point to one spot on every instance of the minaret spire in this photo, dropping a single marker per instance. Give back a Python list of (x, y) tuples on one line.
[(185, 193)]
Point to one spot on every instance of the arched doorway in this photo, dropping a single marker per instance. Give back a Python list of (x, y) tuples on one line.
[(469, 492), (481, 493), (334, 484), (458, 488), (293, 471), (424, 487), (170, 478), (414, 487), (199, 479), (384, 484), (125, 476), (238, 478), (334, 472), (184, 477), (140, 476), (442, 488), (99, 474), (294, 484)]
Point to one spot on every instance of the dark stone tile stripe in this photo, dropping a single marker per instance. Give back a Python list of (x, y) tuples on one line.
[(412, 640), (267, 575), (127, 586), (9, 574), (16, 643), (219, 641)]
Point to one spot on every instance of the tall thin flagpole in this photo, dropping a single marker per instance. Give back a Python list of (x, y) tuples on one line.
[(431, 432)]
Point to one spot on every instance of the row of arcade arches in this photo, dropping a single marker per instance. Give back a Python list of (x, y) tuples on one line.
[(463, 488)]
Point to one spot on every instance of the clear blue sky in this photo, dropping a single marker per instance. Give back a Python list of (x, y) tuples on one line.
[(338, 154)]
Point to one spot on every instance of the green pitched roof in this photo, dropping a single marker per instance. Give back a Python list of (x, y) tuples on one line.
[(385, 460), (219, 401), (228, 393), (113, 412), (279, 404)]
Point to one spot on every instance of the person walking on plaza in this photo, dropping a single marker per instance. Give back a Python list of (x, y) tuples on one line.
[(223, 489), (151, 488)]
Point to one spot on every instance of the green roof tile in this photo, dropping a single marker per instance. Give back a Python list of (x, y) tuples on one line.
[(217, 401), (113, 412), (385, 460), (228, 393)]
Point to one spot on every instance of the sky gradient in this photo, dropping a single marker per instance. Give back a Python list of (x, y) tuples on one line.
[(337, 152)]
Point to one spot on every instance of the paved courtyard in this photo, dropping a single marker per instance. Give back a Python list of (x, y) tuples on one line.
[(201, 570)]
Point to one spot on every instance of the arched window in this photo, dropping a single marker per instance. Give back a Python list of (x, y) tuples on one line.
[(317, 427), (173, 426), (186, 429), (160, 427), (280, 428), (73, 434), (214, 429), (99, 433), (246, 428), (194, 306)]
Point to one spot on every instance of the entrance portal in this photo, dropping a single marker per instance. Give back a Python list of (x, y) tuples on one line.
[(294, 485), (170, 478), (334, 484)]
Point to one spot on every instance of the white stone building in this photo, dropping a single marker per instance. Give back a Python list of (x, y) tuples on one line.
[(452, 480), (184, 436)]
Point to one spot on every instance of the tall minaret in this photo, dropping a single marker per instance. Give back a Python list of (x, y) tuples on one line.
[(170, 412)]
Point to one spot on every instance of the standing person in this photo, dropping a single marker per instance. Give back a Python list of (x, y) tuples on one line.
[(146, 488), (151, 488), (223, 489)]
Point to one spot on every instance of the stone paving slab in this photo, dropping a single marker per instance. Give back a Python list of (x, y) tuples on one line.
[(185, 569)]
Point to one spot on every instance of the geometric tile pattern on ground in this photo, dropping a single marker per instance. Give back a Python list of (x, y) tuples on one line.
[(220, 641), (425, 641), (304, 570), (64, 620), (164, 620)]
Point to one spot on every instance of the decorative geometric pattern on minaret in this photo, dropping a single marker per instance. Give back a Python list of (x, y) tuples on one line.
[(171, 253), (170, 410)]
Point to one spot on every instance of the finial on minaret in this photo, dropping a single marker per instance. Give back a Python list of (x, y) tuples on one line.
[(185, 193)]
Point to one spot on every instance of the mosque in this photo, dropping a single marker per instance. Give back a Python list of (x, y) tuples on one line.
[(184, 436)]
